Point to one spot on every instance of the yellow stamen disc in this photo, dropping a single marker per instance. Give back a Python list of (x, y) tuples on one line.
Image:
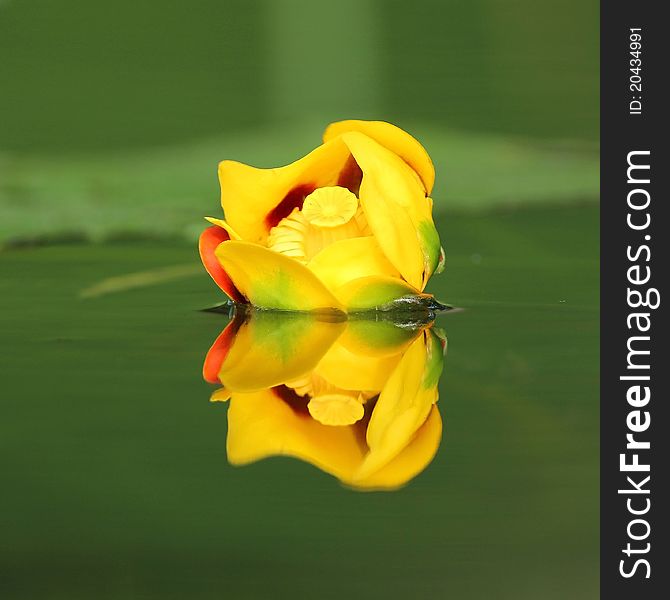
[(336, 409), (330, 206)]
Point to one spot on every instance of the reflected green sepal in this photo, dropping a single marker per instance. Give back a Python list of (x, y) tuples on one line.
[(436, 347)]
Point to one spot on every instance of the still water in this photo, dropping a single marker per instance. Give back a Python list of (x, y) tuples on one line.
[(122, 480)]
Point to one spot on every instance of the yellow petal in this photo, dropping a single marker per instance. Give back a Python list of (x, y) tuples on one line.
[(271, 349), (396, 140), (350, 259), (221, 223), (411, 460), (255, 200), (394, 202), (377, 293), (273, 281), (394, 207), (261, 424)]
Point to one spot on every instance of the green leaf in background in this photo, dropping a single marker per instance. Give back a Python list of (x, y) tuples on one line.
[(164, 192)]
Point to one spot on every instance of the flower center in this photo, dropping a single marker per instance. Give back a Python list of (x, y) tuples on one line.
[(330, 206), (328, 214)]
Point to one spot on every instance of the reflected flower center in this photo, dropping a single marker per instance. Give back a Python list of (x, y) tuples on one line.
[(336, 409), (329, 404)]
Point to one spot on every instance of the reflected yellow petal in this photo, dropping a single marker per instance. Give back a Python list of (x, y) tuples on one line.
[(399, 395), (403, 406), (396, 140), (397, 430), (261, 424), (352, 371), (273, 281), (411, 460), (270, 349), (365, 337)]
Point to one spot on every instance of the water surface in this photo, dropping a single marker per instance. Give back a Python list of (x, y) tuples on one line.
[(116, 482)]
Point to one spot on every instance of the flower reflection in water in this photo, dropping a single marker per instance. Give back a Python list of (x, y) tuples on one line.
[(355, 398)]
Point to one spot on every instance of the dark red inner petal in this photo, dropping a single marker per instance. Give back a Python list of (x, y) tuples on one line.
[(219, 350), (351, 176), (294, 199), (293, 399), (209, 241)]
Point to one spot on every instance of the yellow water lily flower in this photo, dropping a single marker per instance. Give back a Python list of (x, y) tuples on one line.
[(346, 228), (357, 399)]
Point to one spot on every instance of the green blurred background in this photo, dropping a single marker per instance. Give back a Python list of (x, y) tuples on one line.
[(112, 120)]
